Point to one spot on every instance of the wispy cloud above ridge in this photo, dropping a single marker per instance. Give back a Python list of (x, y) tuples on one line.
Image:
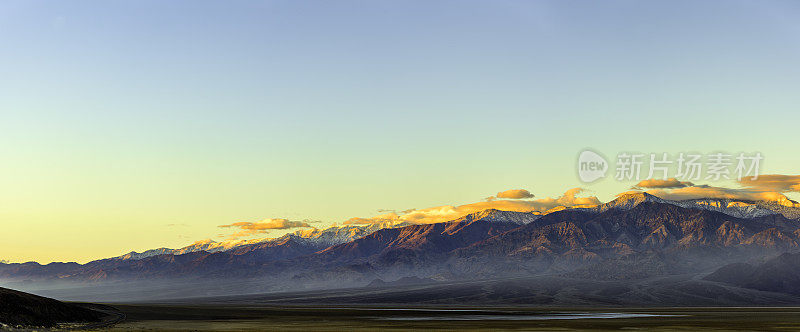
[(773, 182), (704, 191), (260, 227), (658, 183), (444, 213), (769, 187)]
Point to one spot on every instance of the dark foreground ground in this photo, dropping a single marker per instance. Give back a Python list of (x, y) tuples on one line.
[(19, 310), (142, 317)]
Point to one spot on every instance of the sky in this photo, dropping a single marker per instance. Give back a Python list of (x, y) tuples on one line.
[(130, 125)]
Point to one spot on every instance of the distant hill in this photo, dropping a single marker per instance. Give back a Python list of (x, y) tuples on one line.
[(780, 275), (311, 238), (28, 310)]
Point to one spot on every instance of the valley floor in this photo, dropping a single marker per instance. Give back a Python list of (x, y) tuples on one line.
[(140, 317)]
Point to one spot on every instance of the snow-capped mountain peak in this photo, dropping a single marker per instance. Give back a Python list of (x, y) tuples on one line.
[(630, 200)]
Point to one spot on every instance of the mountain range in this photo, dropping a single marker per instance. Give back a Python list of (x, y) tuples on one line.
[(635, 237)]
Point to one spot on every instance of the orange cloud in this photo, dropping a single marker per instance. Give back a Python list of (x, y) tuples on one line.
[(250, 228), (515, 194), (773, 182), (668, 183)]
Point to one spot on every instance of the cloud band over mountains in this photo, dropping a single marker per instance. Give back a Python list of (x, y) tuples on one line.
[(769, 187), (444, 213)]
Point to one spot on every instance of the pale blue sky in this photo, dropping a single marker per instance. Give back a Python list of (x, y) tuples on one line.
[(125, 116)]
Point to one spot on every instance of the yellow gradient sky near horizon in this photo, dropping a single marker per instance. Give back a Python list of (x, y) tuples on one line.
[(137, 125)]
